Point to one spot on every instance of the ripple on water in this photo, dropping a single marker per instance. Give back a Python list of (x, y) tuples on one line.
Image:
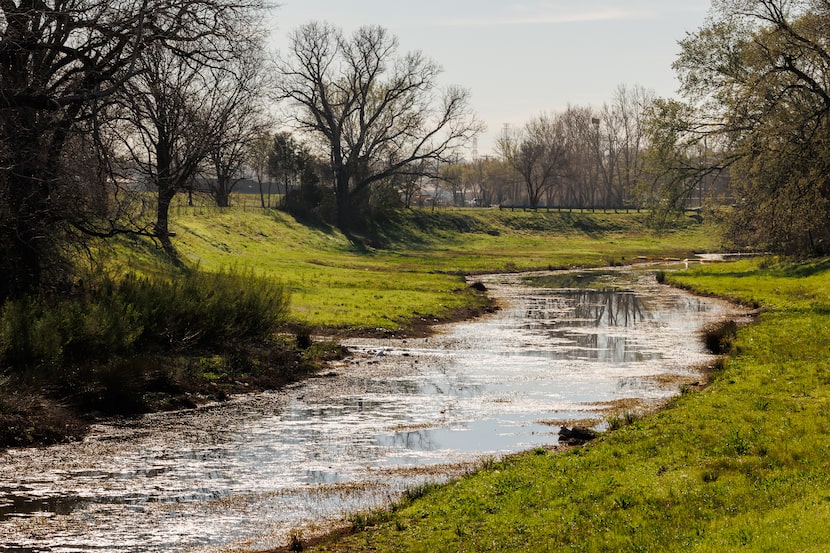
[(395, 414)]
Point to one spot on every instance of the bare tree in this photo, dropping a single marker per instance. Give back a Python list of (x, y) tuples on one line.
[(631, 104), (409, 184), (374, 112), (452, 181), (257, 159), (581, 171), (239, 116), (167, 136), (494, 180), (537, 152), (193, 105), (619, 140), (60, 64), (607, 151)]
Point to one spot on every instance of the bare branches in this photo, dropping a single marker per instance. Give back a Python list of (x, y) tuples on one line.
[(62, 65), (373, 112)]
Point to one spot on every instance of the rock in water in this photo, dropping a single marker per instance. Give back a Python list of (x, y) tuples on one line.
[(577, 435)]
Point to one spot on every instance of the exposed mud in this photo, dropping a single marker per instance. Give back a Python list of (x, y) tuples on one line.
[(396, 413)]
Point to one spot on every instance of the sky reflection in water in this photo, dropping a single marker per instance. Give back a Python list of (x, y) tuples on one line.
[(250, 470)]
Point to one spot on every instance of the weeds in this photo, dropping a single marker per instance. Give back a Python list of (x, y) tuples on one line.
[(416, 492), (718, 337), (618, 420)]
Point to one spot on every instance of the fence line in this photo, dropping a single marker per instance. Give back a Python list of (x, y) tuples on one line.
[(204, 204)]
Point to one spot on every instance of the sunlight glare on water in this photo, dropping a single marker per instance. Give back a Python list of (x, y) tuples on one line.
[(394, 414)]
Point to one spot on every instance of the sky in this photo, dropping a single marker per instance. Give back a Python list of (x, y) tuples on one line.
[(519, 58)]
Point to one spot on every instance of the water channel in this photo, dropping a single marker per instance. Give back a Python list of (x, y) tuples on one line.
[(396, 413)]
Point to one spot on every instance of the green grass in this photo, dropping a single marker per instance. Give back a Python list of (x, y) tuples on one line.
[(409, 269), (742, 465)]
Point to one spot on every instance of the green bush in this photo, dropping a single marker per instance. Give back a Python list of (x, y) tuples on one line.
[(108, 318), (205, 309)]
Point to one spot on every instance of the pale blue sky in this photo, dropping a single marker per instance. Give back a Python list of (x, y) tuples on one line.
[(521, 57)]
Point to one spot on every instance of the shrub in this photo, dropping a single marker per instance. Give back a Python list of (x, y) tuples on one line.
[(206, 309), (106, 319)]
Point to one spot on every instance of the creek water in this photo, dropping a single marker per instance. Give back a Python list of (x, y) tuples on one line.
[(244, 473)]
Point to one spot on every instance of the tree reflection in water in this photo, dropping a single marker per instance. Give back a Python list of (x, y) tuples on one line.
[(592, 323)]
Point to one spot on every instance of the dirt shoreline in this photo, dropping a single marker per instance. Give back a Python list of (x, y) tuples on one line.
[(38, 414)]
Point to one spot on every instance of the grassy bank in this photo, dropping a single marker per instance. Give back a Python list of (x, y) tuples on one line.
[(742, 465), (408, 270)]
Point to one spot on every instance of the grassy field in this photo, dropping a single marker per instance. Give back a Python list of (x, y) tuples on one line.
[(408, 270), (743, 465)]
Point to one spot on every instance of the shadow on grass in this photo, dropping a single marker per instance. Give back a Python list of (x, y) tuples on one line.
[(803, 270)]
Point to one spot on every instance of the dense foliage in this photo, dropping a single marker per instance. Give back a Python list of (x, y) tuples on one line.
[(759, 73), (110, 318)]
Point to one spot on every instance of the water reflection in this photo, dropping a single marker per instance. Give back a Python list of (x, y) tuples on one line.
[(255, 467), (589, 308)]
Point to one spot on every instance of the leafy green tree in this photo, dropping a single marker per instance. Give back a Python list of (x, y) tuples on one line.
[(760, 73), (671, 168)]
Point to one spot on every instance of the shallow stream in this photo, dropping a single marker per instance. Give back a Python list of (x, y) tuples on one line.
[(396, 413)]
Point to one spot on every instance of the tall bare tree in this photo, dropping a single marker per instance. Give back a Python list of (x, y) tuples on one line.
[(183, 106), (581, 182), (537, 152), (257, 160), (374, 112), (165, 134), (631, 104), (61, 61), (239, 119)]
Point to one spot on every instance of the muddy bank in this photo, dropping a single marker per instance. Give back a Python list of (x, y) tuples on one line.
[(37, 411)]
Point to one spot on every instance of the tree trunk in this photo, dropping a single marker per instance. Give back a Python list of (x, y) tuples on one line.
[(344, 213), (166, 190), (25, 222), (222, 196), (343, 202), (21, 263), (162, 227)]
